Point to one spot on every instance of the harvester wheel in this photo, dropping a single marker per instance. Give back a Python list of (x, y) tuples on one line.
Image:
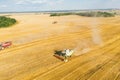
[(65, 60), (2, 48)]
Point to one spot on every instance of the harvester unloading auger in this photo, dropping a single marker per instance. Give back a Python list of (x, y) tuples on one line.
[(65, 53)]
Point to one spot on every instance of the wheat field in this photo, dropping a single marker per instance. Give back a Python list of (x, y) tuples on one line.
[(96, 42)]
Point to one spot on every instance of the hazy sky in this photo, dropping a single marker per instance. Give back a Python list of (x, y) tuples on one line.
[(38, 5)]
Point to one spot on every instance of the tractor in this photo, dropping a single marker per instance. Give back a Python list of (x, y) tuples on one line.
[(4, 45)]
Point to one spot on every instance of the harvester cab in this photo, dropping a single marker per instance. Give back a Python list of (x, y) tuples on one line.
[(67, 53)]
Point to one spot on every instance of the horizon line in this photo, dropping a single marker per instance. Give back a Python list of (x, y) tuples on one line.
[(58, 10)]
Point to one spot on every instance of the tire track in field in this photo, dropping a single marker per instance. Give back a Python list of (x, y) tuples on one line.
[(102, 53), (74, 73), (105, 69), (113, 73), (53, 70), (28, 61), (33, 43), (118, 76), (58, 74), (94, 70), (36, 43), (53, 39)]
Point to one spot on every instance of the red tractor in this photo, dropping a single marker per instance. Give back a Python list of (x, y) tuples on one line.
[(4, 45)]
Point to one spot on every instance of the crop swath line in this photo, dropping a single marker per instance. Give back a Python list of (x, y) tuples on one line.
[(72, 73), (77, 70), (103, 54), (34, 43), (63, 65), (92, 71), (118, 76), (60, 73), (94, 58), (30, 62), (39, 41), (105, 69), (113, 73), (79, 65)]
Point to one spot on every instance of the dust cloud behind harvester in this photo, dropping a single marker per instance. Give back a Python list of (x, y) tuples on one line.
[(85, 45), (95, 32)]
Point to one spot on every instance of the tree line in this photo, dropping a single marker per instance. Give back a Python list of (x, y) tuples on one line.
[(6, 21), (87, 14)]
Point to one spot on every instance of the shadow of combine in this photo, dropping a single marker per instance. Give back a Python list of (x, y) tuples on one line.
[(59, 55)]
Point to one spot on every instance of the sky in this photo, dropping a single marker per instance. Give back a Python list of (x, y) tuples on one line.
[(48, 5)]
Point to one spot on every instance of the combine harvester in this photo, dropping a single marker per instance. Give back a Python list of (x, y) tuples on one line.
[(4, 45), (64, 54)]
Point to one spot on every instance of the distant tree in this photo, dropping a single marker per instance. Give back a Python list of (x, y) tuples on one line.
[(6, 21)]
